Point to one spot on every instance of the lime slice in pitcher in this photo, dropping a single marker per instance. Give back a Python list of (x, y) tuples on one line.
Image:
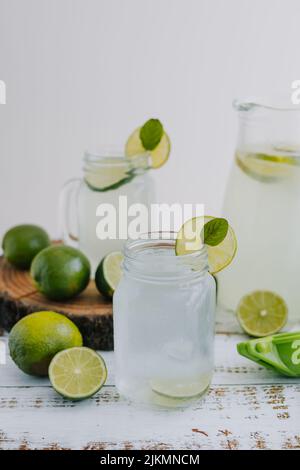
[(150, 138), (190, 239), (266, 167), (262, 313)]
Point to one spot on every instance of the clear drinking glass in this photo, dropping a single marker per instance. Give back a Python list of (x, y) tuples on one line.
[(262, 202), (164, 315), (83, 201)]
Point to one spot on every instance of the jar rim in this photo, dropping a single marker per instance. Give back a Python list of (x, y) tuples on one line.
[(114, 158), (141, 258), (160, 238)]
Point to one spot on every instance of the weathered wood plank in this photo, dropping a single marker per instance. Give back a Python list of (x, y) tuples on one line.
[(247, 407), (231, 417)]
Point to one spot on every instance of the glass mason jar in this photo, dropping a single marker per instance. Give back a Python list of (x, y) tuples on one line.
[(111, 183), (262, 202), (164, 315)]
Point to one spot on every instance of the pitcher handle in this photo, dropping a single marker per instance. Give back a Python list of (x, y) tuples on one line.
[(68, 217)]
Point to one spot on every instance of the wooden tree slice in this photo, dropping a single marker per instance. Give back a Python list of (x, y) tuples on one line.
[(91, 312)]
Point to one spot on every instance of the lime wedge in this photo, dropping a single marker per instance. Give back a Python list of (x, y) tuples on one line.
[(189, 240), (109, 273), (159, 155), (262, 313), (77, 373)]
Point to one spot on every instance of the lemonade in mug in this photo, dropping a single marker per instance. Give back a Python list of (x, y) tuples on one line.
[(108, 178)]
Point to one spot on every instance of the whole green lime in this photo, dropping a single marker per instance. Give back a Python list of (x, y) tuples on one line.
[(60, 272), (22, 243), (36, 338)]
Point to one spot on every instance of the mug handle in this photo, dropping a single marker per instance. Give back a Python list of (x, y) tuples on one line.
[(67, 211)]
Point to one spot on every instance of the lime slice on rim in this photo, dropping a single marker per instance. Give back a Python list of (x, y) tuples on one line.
[(158, 156), (77, 373), (189, 240), (109, 273), (262, 313)]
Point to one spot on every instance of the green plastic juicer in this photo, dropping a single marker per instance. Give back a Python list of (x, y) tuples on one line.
[(280, 353)]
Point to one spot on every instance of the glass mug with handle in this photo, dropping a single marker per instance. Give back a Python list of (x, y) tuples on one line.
[(85, 201)]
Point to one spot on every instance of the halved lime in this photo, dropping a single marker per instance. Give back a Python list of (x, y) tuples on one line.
[(109, 273), (77, 373), (262, 313), (159, 155), (189, 240)]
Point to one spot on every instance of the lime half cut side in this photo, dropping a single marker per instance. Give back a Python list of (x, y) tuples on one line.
[(189, 240), (262, 313), (77, 373), (109, 273), (158, 156)]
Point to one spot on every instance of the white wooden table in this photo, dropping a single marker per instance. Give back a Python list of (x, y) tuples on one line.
[(247, 408)]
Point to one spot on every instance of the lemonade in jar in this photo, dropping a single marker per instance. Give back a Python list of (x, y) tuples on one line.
[(164, 313)]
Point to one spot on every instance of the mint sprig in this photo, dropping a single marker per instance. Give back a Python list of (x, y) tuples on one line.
[(214, 231), (151, 134)]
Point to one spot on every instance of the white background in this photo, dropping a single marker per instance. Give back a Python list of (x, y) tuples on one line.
[(81, 73)]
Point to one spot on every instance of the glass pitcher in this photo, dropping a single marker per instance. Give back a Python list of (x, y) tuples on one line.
[(85, 201), (262, 202)]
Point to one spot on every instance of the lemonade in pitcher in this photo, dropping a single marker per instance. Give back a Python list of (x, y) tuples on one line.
[(262, 202)]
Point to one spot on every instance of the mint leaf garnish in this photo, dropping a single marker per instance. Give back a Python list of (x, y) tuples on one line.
[(214, 231), (151, 134)]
